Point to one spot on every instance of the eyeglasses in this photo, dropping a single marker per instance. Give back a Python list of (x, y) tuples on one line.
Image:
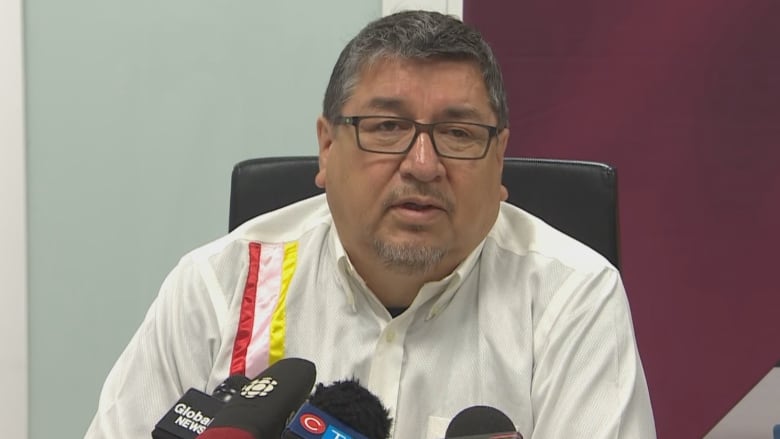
[(396, 135)]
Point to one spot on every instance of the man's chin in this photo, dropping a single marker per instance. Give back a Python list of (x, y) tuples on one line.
[(409, 257)]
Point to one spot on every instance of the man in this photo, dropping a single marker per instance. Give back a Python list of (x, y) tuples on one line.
[(409, 273)]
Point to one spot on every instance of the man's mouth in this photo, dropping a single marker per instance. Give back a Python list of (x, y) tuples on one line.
[(418, 207)]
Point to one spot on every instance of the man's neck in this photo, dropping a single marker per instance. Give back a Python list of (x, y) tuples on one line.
[(397, 287)]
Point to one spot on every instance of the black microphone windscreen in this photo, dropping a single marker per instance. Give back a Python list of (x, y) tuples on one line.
[(354, 405), (479, 421), (344, 409)]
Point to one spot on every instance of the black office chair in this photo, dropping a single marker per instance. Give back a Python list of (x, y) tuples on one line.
[(577, 198)]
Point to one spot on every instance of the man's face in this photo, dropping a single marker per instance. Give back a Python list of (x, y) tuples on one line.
[(415, 212)]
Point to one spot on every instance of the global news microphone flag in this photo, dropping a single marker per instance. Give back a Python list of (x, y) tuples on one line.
[(287, 383), (193, 412)]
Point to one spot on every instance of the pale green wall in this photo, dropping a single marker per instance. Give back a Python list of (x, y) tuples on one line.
[(137, 111)]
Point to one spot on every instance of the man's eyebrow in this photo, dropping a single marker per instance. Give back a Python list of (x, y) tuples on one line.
[(455, 113), (462, 113)]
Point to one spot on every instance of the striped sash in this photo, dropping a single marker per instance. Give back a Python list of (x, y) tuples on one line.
[(260, 335)]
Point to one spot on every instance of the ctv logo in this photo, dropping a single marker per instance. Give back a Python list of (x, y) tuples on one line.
[(316, 425), (312, 423)]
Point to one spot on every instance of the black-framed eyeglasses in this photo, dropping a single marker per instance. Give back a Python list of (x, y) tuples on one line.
[(396, 135)]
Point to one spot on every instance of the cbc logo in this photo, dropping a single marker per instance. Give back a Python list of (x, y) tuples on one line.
[(259, 387), (312, 423)]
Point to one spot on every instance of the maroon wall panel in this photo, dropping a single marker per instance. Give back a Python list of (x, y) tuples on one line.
[(683, 97)]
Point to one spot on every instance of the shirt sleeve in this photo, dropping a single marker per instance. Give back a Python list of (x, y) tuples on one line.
[(173, 350), (588, 377)]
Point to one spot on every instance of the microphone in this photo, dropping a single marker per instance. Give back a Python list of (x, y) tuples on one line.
[(342, 410), (481, 422), (230, 388), (263, 406), (194, 411)]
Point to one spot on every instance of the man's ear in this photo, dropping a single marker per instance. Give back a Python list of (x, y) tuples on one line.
[(325, 140), (502, 141), (503, 193)]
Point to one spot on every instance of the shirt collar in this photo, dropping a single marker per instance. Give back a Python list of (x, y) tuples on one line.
[(346, 271)]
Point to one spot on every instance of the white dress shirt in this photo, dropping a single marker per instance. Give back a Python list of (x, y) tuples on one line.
[(533, 323)]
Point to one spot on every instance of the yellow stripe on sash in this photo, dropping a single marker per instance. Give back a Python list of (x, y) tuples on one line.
[(279, 318)]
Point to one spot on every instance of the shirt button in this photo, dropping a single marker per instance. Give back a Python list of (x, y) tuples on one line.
[(390, 336)]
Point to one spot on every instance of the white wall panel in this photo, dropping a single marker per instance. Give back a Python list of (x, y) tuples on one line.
[(13, 238), (136, 113)]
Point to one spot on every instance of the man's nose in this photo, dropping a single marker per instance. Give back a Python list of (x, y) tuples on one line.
[(421, 161)]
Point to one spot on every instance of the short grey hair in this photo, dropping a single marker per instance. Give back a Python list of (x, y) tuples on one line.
[(414, 35)]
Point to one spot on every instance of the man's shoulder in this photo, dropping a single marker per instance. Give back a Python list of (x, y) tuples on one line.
[(521, 233), (218, 268), (286, 225)]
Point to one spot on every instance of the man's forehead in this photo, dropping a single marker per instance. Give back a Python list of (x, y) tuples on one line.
[(399, 105), (469, 99), (381, 63)]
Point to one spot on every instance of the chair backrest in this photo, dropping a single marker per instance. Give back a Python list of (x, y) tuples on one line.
[(578, 198)]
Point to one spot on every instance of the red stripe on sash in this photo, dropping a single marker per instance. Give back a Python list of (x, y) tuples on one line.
[(247, 316)]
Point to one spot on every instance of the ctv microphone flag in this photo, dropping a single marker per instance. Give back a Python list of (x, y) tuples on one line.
[(313, 423), (342, 410)]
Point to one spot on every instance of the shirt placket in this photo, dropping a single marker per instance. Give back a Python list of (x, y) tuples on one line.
[(387, 363)]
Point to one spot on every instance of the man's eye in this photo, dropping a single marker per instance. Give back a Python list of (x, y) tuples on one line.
[(455, 132), (388, 125)]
